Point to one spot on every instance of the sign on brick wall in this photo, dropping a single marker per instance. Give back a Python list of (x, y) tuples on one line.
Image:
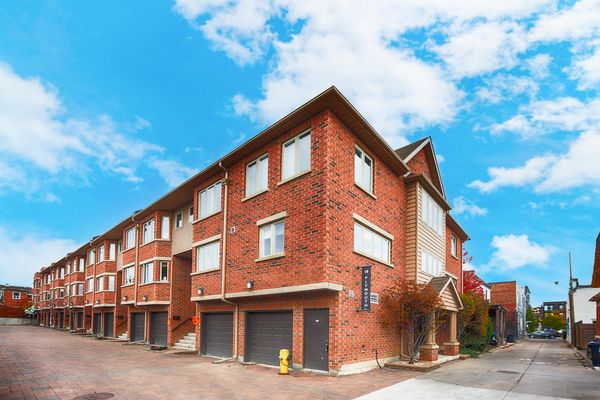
[(366, 288)]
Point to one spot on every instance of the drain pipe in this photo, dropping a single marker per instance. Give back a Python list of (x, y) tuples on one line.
[(224, 263), (135, 266)]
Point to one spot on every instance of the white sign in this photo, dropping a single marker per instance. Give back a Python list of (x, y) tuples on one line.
[(374, 298)]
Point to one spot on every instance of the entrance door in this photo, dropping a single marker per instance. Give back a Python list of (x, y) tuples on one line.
[(61, 320), (97, 323), (72, 321), (217, 334), (109, 324), (138, 325), (266, 334), (316, 339), (159, 328), (79, 320)]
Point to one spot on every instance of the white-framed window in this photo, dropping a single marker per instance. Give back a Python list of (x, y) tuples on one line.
[(101, 253), (100, 284), (90, 285), (431, 264), (112, 251), (165, 229), (74, 289), (130, 238), (68, 268), (453, 246), (164, 271), (110, 282), (271, 238), (67, 290), (91, 257), (80, 289), (81, 264), (178, 220), (147, 272), (371, 244), (62, 273), (61, 293), (207, 256), (363, 170), (128, 276), (16, 295), (209, 200), (191, 215), (148, 231), (257, 175), (431, 213), (296, 156), (1, 296)]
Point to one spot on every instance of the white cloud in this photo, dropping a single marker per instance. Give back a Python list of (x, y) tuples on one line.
[(516, 251), (462, 205), (172, 171), (582, 20), (577, 167), (538, 65), (586, 69), (505, 87), (18, 266)]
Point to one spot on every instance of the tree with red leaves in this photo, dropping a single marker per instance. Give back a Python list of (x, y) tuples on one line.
[(472, 283), (407, 306)]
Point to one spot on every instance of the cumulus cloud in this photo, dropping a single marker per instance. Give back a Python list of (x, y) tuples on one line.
[(505, 87), (586, 69), (516, 251), (172, 171), (538, 65), (462, 205)]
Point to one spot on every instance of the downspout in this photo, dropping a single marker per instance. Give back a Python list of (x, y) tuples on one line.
[(93, 285), (135, 277), (224, 264)]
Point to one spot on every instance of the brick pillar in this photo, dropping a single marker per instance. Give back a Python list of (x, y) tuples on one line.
[(452, 346), (429, 350)]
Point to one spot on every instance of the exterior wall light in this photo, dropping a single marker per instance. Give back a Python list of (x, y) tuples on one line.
[(124, 298), (145, 298), (200, 291), (250, 284)]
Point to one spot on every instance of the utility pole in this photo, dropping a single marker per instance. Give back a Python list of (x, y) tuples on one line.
[(571, 305)]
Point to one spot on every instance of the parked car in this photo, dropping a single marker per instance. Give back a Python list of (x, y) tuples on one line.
[(540, 335), (553, 333)]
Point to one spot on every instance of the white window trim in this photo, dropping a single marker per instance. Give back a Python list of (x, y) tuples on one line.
[(179, 214), (271, 221), (134, 229), (142, 265), (165, 228), (454, 246), (200, 218), (153, 220), (372, 226), (377, 230), (365, 155), (204, 242), (296, 157), (420, 266), (16, 298), (160, 264), (258, 164), (132, 266), (272, 218)]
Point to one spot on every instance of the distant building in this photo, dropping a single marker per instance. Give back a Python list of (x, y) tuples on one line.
[(14, 300), (584, 312), (512, 297), (552, 306)]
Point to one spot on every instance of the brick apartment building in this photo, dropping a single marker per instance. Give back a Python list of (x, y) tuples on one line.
[(14, 300), (266, 248), (513, 298), (596, 284)]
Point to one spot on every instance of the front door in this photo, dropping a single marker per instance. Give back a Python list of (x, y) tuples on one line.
[(109, 323), (61, 320), (138, 325), (97, 322), (159, 328), (80, 320), (316, 339)]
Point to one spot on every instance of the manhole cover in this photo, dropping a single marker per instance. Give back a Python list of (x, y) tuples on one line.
[(508, 372), (95, 396)]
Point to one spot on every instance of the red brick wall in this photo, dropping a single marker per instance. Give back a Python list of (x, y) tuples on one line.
[(454, 264), (505, 293), (180, 300), (419, 165)]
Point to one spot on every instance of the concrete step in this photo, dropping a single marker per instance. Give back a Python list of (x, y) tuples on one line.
[(184, 346), (191, 334), (188, 341)]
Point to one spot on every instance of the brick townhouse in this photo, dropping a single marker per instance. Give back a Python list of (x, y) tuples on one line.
[(14, 300), (512, 297), (268, 247), (596, 284)]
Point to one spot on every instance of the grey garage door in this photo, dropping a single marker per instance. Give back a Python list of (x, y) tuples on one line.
[(266, 334), (158, 328), (138, 324), (109, 324), (217, 334), (97, 323)]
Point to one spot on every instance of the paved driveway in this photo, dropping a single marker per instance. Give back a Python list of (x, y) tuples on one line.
[(40, 363), (534, 369)]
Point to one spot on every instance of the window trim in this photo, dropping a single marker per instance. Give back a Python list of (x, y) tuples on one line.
[(220, 208), (423, 218), (370, 190), (125, 283), (178, 218), (153, 221), (378, 231), (160, 266), (454, 246), (127, 247), (142, 265), (258, 161), (17, 293), (205, 242), (298, 174), (270, 221)]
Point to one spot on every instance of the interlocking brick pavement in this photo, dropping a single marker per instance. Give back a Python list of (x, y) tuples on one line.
[(41, 363)]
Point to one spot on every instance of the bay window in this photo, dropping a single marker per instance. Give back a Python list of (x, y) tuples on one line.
[(147, 272), (148, 231)]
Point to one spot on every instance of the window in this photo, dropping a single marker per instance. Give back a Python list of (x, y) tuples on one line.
[(62, 273), (101, 253), (147, 273), (363, 170), (453, 244), (431, 264), (16, 295), (207, 256), (61, 293), (68, 268), (431, 213), (271, 239), (148, 232), (110, 283), (91, 257), (73, 290), (128, 276), (67, 289), (296, 156), (191, 215), (210, 200), (100, 284), (81, 264), (257, 175), (165, 229), (371, 244), (164, 271), (1, 296), (119, 246), (178, 220), (112, 251), (80, 289), (90, 285), (130, 239)]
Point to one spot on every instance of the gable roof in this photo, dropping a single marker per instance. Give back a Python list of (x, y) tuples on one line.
[(446, 283), (407, 152)]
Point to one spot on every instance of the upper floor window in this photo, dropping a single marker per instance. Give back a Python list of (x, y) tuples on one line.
[(128, 276), (431, 213), (207, 256), (431, 264), (62, 273), (112, 251), (1, 296), (453, 246), (101, 253), (191, 215), (61, 293), (257, 175), (296, 156), (68, 267), (81, 264), (210, 200), (371, 244), (130, 238), (110, 283), (100, 284), (148, 231), (363, 170), (91, 256), (16, 295), (178, 220), (164, 271), (90, 285), (165, 229), (80, 289), (147, 274), (271, 239)]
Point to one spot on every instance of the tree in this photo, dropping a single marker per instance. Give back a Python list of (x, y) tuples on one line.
[(532, 320), (554, 320), (472, 283), (407, 306), (473, 318)]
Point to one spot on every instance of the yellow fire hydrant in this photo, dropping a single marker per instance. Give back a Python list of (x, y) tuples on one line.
[(284, 361)]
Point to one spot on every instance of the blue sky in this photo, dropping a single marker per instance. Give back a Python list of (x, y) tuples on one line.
[(104, 107)]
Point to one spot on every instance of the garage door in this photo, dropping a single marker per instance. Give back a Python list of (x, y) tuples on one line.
[(97, 322), (138, 324), (158, 328), (266, 334), (217, 334), (109, 324)]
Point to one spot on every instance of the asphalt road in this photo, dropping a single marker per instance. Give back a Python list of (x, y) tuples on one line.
[(531, 370)]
